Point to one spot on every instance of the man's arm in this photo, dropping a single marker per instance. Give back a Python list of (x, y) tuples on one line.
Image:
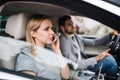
[(68, 53), (97, 41)]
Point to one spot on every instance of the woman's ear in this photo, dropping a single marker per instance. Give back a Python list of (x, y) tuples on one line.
[(33, 33)]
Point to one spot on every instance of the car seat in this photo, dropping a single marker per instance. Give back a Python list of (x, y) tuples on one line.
[(15, 27)]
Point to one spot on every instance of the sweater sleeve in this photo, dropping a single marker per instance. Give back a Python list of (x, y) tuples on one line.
[(86, 63), (97, 41), (24, 62)]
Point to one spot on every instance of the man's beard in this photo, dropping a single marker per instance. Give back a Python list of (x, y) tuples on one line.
[(69, 32)]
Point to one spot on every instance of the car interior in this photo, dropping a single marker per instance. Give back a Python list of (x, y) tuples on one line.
[(18, 13), (16, 22)]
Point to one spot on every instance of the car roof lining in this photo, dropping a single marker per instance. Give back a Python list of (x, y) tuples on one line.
[(34, 7), (78, 7)]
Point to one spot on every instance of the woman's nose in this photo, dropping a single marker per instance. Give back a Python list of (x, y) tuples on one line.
[(51, 31)]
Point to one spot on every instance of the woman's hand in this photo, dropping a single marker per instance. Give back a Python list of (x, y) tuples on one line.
[(56, 48), (103, 54), (55, 45)]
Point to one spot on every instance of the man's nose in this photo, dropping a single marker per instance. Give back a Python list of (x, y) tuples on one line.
[(73, 26)]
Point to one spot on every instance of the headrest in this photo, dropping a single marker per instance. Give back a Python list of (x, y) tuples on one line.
[(15, 25)]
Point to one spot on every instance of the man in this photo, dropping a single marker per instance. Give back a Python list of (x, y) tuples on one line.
[(72, 47)]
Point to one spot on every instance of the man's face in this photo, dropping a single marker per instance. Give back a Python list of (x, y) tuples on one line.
[(69, 28)]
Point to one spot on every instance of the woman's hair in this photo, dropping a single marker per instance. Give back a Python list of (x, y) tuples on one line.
[(33, 24)]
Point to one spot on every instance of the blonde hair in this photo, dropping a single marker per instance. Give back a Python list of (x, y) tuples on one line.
[(33, 24)]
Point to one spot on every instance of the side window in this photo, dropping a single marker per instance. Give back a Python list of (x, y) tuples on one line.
[(3, 20), (87, 26)]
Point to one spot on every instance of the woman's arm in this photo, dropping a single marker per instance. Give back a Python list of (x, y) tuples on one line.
[(27, 66), (65, 72), (29, 72)]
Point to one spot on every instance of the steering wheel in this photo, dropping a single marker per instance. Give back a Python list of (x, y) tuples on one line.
[(114, 44)]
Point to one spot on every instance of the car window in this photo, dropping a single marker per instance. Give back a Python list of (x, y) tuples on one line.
[(87, 26), (3, 20)]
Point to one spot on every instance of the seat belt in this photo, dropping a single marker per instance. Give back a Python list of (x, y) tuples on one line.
[(82, 54), (77, 44)]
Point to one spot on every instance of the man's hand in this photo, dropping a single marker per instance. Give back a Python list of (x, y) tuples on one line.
[(114, 32), (103, 54)]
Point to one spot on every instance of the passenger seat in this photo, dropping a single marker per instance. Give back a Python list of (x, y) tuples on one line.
[(15, 27)]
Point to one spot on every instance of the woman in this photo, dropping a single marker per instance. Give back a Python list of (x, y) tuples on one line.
[(39, 32)]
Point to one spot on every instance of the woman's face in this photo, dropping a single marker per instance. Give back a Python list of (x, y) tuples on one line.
[(44, 34)]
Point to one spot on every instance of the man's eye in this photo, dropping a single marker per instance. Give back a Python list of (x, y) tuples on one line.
[(70, 24)]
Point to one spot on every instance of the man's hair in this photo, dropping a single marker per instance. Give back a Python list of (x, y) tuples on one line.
[(62, 20)]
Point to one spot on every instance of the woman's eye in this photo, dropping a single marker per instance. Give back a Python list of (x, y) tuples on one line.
[(46, 28)]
